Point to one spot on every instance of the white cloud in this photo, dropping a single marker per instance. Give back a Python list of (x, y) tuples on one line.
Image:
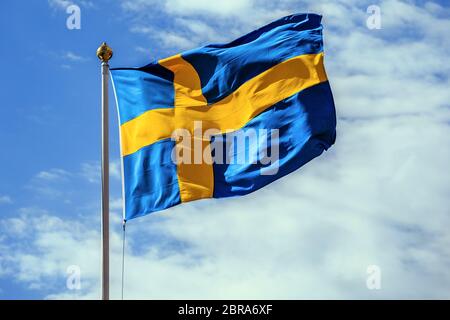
[(198, 22), (217, 7), (56, 240)]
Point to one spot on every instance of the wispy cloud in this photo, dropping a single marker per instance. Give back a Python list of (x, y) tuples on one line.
[(115, 169), (60, 4), (142, 49), (49, 183), (91, 171), (194, 23), (116, 204), (70, 56), (221, 8), (5, 199), (52, 174), (63, 4)]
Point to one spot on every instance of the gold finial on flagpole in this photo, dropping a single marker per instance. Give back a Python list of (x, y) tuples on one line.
[(104, 52)]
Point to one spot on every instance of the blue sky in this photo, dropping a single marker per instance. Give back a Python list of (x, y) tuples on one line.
[(378, 197)]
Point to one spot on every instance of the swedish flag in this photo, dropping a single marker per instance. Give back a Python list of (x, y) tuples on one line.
[(269, 87)]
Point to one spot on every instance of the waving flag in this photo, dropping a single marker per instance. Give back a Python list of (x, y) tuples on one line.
[(225, 119)]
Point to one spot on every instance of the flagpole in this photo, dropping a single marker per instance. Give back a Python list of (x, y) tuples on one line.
[(104, 53)]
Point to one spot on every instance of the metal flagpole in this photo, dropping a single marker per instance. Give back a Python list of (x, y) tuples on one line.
[(104, 53)]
